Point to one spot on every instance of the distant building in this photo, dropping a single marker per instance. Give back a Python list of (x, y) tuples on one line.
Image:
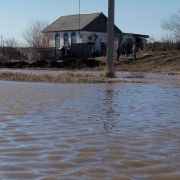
[(134, 38), (86, 28), (128, 39), (83, 28)]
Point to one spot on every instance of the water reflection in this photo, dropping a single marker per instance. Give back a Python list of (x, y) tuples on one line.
[(109, 109), (89, 131)]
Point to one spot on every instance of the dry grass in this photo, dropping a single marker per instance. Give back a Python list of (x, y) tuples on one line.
[(65, 77)]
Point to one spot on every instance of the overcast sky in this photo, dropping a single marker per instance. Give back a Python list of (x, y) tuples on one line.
[(131, 16)]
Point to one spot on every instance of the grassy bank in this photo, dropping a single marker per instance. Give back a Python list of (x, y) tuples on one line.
[(65, 77)]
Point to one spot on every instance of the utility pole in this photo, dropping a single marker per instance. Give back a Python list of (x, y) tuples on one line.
[(79, 20), (110, 34), (1, 39)]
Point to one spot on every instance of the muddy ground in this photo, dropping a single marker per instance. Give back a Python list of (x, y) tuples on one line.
[(159, 61)]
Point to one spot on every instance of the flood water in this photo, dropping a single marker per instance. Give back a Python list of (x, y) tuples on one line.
[(89, 131)]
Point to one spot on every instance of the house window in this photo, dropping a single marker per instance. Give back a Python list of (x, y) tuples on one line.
[(57, 40), (73, 38), (65, 39)]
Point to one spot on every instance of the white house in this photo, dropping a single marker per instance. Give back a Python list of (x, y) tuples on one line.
[(79, 28), (86, 28)]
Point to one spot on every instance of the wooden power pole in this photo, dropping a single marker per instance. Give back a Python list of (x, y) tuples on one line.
[(110, 35)]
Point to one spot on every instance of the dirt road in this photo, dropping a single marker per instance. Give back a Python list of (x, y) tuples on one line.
[(164, 61)]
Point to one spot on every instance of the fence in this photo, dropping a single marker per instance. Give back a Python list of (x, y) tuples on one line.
[(82, 50), (31, 53), (9, 53)]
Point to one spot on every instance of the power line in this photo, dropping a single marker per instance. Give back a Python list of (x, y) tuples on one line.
[(12, 27)]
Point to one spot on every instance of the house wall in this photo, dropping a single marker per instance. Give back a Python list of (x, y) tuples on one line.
[(84, 38), (52, 38), (90, 36)]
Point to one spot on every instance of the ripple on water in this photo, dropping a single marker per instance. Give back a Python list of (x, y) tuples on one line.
[(89, 131), (25, 175)]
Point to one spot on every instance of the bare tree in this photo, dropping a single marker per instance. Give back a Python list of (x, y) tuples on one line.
[(33, 35), (172, 24), (11, 42)]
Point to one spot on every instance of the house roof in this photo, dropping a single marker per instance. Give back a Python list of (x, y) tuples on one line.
[(72, 23)]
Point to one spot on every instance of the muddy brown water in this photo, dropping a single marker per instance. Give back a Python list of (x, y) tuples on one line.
[(89, 131)]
